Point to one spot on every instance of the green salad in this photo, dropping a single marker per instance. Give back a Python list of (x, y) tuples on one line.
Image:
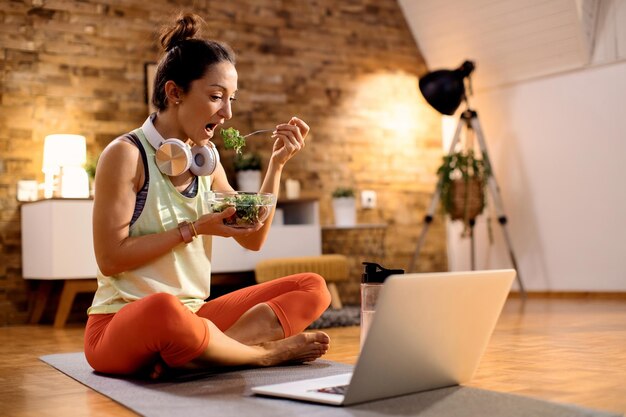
[(250, 210), (233, 139)]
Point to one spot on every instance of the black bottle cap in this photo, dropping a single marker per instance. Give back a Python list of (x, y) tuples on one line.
[(375, 273)]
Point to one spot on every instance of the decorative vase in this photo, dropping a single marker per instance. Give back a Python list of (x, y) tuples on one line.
[(292, 188), (344, 209), (249, 180)]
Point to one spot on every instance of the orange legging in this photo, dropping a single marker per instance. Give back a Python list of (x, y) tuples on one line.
[(159, 327)]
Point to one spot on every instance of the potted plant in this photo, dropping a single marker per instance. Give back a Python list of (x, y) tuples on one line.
[(463, 179), (344, 206), (248, 170), (90, 168)]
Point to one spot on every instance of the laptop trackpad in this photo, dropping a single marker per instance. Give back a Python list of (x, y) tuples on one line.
[(317, 389)]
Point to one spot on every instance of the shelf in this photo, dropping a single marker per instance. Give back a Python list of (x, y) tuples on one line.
[(356, 226)]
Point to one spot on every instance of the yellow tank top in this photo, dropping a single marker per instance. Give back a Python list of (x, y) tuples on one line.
[(185, 271)]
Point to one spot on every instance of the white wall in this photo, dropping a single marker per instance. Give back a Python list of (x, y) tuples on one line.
[(557, 143), (558, 146)]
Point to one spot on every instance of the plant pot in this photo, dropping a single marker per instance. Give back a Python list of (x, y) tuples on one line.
[(344, 209), (467, 199), (249, 180)]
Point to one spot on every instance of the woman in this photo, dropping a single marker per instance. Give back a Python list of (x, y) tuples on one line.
[(152, 236)]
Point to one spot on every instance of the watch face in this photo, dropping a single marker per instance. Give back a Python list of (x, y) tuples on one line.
[(172, 159)]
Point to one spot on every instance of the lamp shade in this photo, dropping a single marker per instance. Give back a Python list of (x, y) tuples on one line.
[(445, 89), (63, 150)]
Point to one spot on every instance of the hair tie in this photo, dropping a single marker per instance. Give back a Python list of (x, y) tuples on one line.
[(176, 44)]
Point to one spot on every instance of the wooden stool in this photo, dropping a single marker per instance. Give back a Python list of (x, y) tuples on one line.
[(332, 267)]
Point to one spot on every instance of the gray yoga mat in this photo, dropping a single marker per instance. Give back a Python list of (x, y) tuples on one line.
[(228, 394)]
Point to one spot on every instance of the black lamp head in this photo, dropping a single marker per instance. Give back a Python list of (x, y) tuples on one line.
[(445, 89)]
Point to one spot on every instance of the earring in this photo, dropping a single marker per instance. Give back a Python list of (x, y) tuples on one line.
[(178, 102)]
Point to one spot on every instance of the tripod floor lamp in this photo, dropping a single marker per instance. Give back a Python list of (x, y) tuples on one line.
[(444, 90)]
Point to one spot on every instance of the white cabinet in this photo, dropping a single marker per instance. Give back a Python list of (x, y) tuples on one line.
[(57, 244), (57, 239), (299, 235)]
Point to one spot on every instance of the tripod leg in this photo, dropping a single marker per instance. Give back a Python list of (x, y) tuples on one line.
[(495, 192), (472, 222), (428, 218), (420, 242)]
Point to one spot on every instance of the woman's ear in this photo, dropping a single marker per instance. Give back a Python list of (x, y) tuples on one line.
[(173, 92)]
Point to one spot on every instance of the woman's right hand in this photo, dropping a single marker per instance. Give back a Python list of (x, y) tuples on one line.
[(213, 224)]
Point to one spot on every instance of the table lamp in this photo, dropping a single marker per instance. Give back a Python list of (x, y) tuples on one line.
[(63, 157)]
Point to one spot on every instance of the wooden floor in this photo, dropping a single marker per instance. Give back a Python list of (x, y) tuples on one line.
[(566, 350)]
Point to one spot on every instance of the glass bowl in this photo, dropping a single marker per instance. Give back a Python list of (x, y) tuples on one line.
[(252, 208)]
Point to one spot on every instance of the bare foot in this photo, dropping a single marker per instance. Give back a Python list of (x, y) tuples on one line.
[(158, 371), (161, 371), (303, 347)]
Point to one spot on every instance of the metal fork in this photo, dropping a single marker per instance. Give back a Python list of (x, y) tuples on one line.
[(258, 131)]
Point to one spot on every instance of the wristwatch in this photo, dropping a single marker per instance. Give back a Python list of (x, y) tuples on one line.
[(187, 231)]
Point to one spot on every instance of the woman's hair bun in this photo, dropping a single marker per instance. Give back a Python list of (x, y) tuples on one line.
[(185, 27), (188, 56)]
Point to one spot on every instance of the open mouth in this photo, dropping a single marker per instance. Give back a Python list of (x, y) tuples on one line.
[(210, 129)]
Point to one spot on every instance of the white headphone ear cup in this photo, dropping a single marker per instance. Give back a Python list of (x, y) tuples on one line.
[(173, 157), (204, 160)]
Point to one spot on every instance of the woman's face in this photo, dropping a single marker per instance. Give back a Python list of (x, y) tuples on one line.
[(208, 103)]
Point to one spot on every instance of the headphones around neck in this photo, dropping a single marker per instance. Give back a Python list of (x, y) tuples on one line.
[(174, 157)]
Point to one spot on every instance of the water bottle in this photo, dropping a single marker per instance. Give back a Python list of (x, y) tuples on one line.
[(371, 284)]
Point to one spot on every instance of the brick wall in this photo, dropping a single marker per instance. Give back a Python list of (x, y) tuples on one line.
[(348, 68)]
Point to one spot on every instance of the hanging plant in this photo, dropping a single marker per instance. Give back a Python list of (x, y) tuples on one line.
[(463, 181)]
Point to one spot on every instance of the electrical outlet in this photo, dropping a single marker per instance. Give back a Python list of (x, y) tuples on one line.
[(368, 199)]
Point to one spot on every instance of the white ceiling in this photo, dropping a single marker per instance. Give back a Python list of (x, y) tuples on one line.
[(516, 40)]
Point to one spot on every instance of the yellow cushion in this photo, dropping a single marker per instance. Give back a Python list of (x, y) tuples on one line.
[(332, 267)]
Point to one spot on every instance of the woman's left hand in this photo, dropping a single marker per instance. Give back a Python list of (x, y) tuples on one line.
[(289, 139)]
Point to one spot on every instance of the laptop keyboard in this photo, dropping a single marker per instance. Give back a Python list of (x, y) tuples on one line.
[(339, 390)]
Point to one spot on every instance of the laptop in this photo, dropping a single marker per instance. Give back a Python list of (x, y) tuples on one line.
[(429, 331)]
